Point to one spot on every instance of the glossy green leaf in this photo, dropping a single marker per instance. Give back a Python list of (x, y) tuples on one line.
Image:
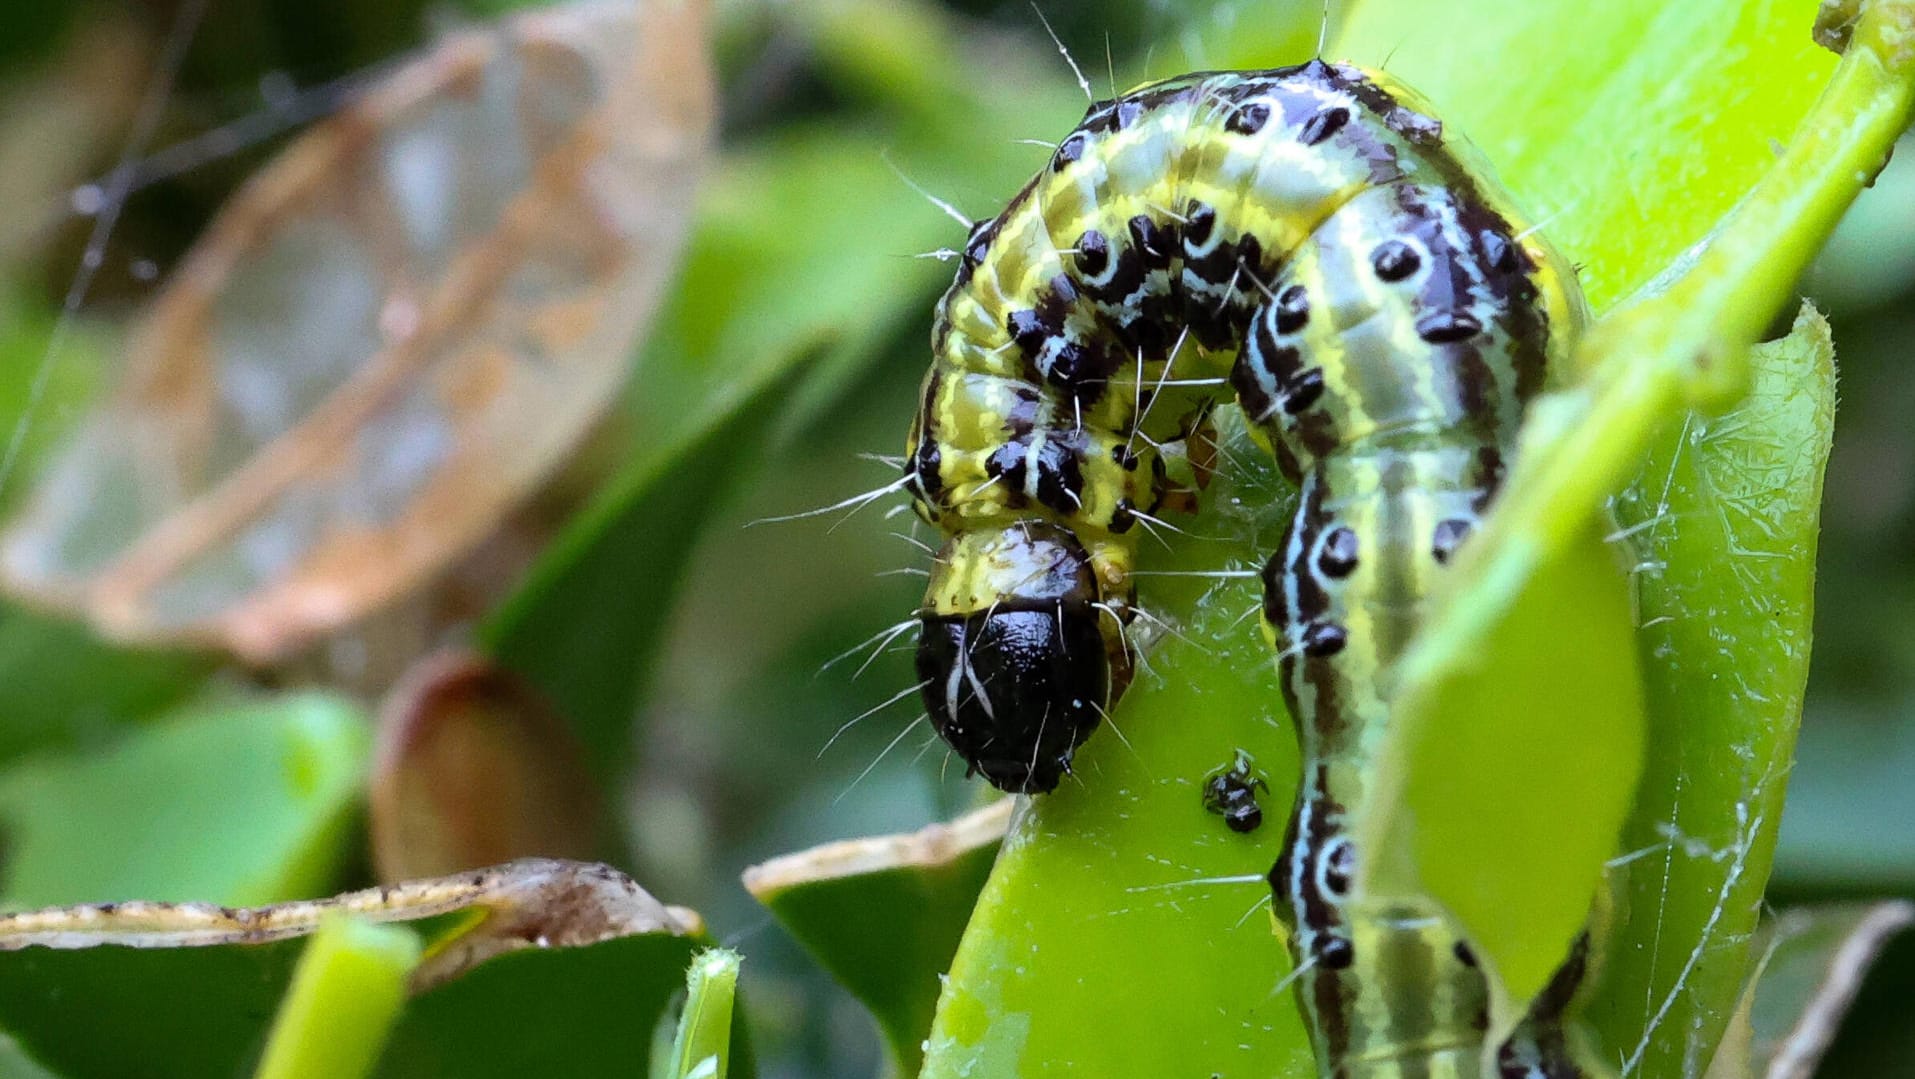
[(345, 994), (1687, 343), (884, 915), (1724, 519), (234, 802), (1506, 802), (189, 991), (1628, 127)]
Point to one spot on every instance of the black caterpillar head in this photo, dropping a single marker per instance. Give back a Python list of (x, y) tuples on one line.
[(1019, 654)]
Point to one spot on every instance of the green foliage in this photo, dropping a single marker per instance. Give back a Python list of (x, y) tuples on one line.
[(345, 994), (574, 1011), (1724, 519), (229, 802), (1122, 928), (132, 1003), (1506, 800)]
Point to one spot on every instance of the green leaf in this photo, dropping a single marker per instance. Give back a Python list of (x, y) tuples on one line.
[(537, 967), (884, 914), (235, 802), (182, 1012), (1508, 797), (702, 1049), (575, 1011), (1724, 517), (62, 687), (1628, 127), (345, 994), (1686, 344)]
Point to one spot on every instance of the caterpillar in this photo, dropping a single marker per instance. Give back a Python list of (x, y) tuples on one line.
[(1309, 238)]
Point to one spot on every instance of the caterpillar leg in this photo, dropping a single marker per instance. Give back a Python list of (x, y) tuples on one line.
[(1022, 649)]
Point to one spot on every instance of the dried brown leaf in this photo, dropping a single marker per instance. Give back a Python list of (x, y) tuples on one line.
[(1806, 979), (531, 903), (933, 845), (474, 768), (386, 340), (55, 122)]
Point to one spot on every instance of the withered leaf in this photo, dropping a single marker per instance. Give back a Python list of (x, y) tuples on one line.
[(474, 768), (54, 122), (385, 341), (1811, 966), (531, 903), (933, 847)]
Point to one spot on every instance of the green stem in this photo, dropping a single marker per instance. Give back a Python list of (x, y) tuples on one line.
[(702, 1049), (346, 994)]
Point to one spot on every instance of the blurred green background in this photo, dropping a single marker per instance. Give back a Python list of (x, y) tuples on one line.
[(732, 764)]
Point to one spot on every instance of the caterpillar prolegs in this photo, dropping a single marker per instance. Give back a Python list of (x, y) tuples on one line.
[(1308, 236)]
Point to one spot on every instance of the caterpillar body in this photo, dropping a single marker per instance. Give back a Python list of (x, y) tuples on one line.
[(1308, 237)]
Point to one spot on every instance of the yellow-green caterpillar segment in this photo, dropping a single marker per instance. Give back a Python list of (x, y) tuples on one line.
[(1383, 316)]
